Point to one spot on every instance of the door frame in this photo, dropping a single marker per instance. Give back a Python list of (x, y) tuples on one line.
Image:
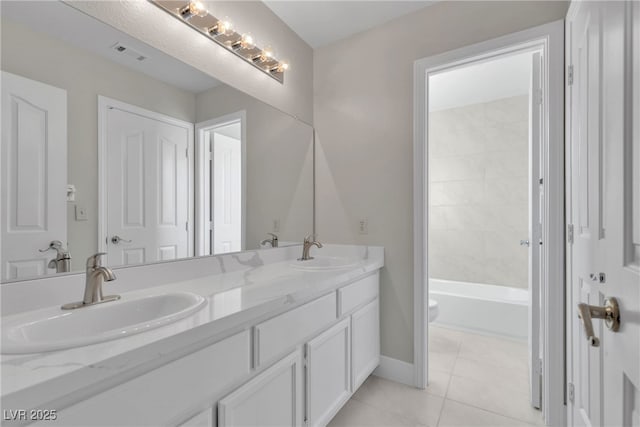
[(200, 128), (548, 38), (105, 104)]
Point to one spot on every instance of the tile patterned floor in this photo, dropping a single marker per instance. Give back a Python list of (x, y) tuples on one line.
[(476, 380)]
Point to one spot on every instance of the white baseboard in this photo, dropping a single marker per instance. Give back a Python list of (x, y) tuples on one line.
[(395, 370)]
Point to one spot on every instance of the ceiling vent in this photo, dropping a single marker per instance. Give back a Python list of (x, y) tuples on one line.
[(130, 52)]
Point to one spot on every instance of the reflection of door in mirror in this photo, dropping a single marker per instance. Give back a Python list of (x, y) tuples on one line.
[(221, 178), (144, 185), (34, 175)]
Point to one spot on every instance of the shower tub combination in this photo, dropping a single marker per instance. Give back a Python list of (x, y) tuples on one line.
[(491, 309)]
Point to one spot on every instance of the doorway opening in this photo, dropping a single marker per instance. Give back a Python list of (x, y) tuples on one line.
[(220, 179), (484, 227), (488, 200)]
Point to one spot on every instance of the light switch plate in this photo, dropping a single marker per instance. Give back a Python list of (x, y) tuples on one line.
[(81, 213)]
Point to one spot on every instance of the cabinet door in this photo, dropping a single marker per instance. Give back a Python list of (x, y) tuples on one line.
[(202, 419), (273, 398), (365, 331), (328, 373)]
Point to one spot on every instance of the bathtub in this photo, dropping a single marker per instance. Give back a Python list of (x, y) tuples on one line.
[(491, 309)]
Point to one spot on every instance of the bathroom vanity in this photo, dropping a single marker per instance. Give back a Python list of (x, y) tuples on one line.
[(278, 342)]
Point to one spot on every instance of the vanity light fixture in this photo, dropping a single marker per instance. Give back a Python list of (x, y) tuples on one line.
[(221, 31)]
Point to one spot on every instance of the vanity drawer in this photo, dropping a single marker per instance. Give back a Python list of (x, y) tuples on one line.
[(280, 334), (358, 293), (167, 395)]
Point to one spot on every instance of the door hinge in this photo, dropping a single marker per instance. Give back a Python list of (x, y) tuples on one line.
[(186, 152), (540, 367), (186, 226), (570, 75), (571, 393), (570, 233)]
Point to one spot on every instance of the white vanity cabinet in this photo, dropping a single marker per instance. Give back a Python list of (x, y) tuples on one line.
[(202, 419), (169, 394), (365, 338), (272, 398), (296, 368), (327, 373)]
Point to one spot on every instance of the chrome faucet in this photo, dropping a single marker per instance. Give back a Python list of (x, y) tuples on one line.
[(95, 275), (306, 247), (273, 241)]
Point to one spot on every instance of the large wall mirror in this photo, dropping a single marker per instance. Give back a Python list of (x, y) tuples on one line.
[(111, 145)]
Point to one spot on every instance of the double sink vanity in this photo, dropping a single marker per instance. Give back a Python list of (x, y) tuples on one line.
[(164, 164), (251, 338)]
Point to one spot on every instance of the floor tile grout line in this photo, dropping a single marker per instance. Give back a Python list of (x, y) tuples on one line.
[(494, 412), (513, 389), (388, 412), (446, 392)]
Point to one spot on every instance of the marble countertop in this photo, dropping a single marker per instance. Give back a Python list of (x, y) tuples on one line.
[(235, 300)]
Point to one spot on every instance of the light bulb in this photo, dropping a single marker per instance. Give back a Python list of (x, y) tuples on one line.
[(267, 53), (281, 67), (194, 8), (222, 27), (247, 42)]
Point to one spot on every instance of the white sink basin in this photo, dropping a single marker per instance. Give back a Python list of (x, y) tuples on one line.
[(55, 329), (325, 263)]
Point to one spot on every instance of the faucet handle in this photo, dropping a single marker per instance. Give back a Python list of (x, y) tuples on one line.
[(275, 236), (310, 238), (95, 260)]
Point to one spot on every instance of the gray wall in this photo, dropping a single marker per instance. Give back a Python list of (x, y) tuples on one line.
[(279, 156), (85, 76), (363, 109), (478, 188), (148, 23)]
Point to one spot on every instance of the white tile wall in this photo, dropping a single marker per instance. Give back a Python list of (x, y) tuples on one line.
[(478, 204)]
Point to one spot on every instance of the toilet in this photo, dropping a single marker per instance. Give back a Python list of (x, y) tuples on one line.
[(433, 310)]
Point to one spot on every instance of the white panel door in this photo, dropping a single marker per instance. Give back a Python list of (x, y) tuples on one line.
[(147, 191), (535, 229), (34, 174), (328, 373), (273, 398), (227, 194), (604, 169)]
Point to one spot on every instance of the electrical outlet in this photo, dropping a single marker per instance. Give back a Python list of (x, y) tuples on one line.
[(363, 226), (276, 225), (81, 213)]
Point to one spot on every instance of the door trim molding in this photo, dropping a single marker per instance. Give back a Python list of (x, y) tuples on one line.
[(104, 103), (199, 159), (550, 39)]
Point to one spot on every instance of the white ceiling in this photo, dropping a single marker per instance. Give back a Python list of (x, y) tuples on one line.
[(483, 82), (321, 22), (65, 23)]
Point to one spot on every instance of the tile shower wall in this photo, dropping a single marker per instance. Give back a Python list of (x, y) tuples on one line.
[(478, 202)]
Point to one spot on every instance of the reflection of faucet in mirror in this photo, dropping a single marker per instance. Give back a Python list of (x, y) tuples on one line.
[(95, 275), (273, 241), (306, 247), (62, 261)]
